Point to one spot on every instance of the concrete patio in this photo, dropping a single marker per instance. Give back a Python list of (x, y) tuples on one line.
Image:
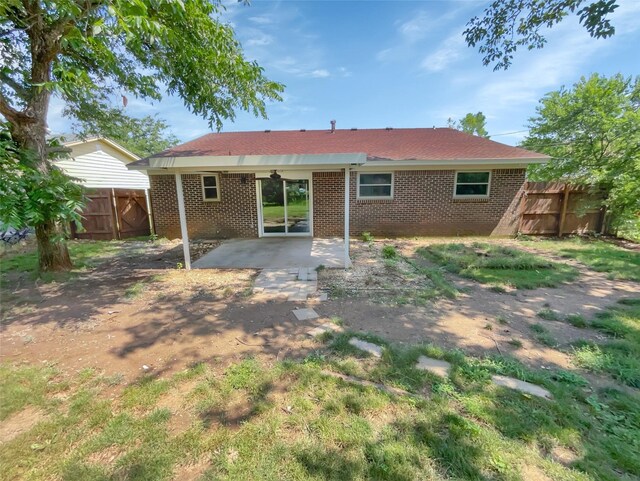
[(274, 253)]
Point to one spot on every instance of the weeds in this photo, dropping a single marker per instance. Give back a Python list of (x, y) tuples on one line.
[(542, 335), (576, 320), (498, 265), (389, 252), (548, 314)]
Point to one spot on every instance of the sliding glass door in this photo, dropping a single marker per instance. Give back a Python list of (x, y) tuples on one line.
[(285, 207)]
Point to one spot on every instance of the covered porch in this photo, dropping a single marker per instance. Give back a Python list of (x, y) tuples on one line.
[(275, 253)]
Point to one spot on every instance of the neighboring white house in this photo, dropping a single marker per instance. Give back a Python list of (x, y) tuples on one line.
[(100, 163), (116, 208)]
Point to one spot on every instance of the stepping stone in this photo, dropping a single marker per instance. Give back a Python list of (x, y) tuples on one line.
[(388, 389), (328, 327), (299, 296), (305, 314), (522, 386), (435, 366), (365, 346)]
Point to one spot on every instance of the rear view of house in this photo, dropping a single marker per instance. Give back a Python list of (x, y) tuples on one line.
[(328, 183)]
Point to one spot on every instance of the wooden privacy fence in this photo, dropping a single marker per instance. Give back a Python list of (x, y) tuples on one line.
[(114, 214), (558, 208)]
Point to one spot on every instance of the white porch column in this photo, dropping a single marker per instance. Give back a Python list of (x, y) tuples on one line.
[(183, 223), (347, 186)]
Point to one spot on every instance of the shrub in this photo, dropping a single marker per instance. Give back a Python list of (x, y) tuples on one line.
[(389, 252)]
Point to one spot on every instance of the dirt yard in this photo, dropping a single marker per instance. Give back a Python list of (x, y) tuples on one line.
[(138, 309)]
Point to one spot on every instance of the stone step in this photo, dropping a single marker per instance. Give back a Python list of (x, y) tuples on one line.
[(435, 366), (522, 386), (365, 346)]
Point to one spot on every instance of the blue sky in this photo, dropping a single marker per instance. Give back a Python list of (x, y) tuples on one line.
[(372, 64)]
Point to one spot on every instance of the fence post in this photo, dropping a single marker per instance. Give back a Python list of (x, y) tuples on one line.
[(563, 213)]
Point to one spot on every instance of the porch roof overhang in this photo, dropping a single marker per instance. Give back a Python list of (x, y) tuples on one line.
[(239, 163)]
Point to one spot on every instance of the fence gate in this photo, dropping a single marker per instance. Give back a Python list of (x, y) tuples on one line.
[(557, 208), (114, 214)]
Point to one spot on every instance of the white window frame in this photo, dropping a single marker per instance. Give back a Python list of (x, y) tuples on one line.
[(374, 197), (204, 198), (471, 196)]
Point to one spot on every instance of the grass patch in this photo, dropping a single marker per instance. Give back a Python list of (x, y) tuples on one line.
[(498, 265), (303, 425), (601, 256), (620, 356), (389, 252), (548, 314), (576, 320), (542, 335), (84, 255)]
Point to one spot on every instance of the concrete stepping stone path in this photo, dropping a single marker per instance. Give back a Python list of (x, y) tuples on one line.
[(365, 346), (306, 314), (328, 327), (296, 284), (361, 382), (435, 366), (522, 386)]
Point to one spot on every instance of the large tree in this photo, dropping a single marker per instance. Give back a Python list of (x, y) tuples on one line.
[(509, 24), (592, 133), (89, 51), (474, 124), (142, 136)]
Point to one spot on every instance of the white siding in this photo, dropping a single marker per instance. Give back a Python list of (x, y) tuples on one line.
[(101, 170)]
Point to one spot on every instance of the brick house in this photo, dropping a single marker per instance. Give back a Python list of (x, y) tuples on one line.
[(388, 182)]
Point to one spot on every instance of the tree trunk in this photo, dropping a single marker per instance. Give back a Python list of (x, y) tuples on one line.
[(53, 254)]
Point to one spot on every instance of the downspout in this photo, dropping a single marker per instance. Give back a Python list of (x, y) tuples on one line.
[(183, 223)]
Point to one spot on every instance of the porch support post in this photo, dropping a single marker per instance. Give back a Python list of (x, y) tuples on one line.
[(183, 223), (347, 186)]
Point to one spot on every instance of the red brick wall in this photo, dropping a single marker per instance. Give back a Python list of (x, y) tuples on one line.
[(423, 204), (235, 215), (328, 204)]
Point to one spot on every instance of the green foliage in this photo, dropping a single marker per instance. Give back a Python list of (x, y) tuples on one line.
[(548, 314), (138, 47), (367, 237), (498, 265), (31, 196), (144, 136), (617, 262), (508, 25), (389, 252), (591, 133), (474, 124), (620, 356)]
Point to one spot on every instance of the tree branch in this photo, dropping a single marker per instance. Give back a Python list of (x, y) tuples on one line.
[(11, 114), (20, 90)]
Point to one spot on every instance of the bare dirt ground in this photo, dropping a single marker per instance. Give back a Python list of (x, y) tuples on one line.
[(479, 320), (138, 310)]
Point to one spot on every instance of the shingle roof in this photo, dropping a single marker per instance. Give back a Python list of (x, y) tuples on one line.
[(392, 144)]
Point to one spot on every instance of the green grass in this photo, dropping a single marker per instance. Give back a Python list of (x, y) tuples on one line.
[(548, 314), (498, 265), (542, 335), (576, 320), (601, 256), (84, 254), (618, 357), (293, 210), (289, 421)]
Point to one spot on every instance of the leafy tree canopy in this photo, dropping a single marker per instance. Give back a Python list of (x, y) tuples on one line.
[(88, 52), (510, 24), (474, 124), (145, 136), (592, 133)]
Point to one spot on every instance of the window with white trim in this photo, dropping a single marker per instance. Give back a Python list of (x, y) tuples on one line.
[(210, 187), (472, 184), (375, 186)]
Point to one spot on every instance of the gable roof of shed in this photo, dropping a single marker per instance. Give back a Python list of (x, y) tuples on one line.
[(389, 144)]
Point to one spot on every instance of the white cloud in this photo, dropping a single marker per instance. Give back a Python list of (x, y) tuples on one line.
[(449, 51), (260, 40), (262, 20), (417, 27), (320, 73)]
